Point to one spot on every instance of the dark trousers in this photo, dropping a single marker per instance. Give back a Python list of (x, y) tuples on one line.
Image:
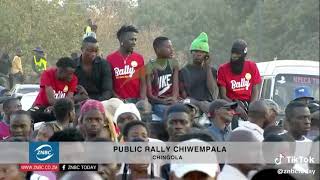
[(15, 79)]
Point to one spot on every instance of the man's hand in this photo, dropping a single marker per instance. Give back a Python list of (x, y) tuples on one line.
[(242, 113), (81, 95), (206, 62), (81, 90), (170, 100), (49, 109)]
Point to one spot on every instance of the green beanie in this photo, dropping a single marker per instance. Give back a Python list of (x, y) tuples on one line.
[(200, 43)]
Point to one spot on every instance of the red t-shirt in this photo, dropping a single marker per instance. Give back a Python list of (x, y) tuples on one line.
[(126, 74), (239, 86), (4, 131), (61, 88)]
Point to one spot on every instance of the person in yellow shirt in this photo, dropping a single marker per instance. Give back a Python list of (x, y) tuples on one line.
[(16, 73), (88, 29), (39, 61)]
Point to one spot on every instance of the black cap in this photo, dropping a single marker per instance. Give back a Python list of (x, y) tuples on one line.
[(38, 49), (219, 103), (191, 104), (239, 46)]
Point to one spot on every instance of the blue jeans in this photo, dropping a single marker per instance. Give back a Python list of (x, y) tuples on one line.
[(160, 110)]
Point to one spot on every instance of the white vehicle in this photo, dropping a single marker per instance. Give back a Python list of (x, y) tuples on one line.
[(27, 100), (20, 89), (281, 77)]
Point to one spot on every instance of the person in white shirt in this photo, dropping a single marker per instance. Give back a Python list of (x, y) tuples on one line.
[(232, 171), (259, 115), (276, 150), (298, 118)]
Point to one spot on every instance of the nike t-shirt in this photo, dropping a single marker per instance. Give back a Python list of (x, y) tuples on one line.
[(162, 78), (4, 131)]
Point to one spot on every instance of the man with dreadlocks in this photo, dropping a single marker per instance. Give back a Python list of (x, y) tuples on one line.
[(127, 67)]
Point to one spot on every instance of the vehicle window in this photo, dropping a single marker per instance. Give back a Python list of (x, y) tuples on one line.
[(286, 83), (27, 90), (266, 88)]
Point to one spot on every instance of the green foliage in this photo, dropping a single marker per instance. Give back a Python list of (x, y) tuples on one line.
[(27, 24), (287, 29), (290, 29), (274, 28)]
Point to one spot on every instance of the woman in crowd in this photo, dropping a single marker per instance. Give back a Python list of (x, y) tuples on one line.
[(94, 121)]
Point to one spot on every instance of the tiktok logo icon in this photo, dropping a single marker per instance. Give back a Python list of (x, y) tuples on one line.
[(278, 160)]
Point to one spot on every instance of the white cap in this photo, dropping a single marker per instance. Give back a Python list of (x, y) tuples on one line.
[(71, 175), (112, 105), (126, 108), (181, 170), (153, 140)]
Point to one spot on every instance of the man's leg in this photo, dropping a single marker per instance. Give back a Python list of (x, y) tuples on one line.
[(11, 81)]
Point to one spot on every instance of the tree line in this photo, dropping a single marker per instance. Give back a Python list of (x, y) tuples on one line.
[(286, 29)]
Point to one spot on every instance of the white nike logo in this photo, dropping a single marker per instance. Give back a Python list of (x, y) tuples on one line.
[(164, 90), (5, 137)]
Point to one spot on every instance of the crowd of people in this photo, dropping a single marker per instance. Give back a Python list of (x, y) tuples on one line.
[(11, 71), (118, 98)]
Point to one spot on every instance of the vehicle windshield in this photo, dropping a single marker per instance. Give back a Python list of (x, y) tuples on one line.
[(27, 90), (286, 83)]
